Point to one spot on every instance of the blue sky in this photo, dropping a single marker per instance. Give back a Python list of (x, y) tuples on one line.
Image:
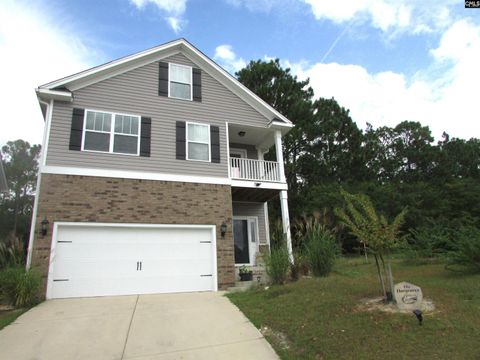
[(385, 60)]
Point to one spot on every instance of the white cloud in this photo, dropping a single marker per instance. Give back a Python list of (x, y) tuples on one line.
[(444, 96), (387, 15), (255, 5), (173, 9), (227, 58), (175, 23), (35, 49)]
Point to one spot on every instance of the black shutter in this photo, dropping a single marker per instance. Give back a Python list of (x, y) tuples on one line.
[(163, 79), (197, 84), (181, 145), (215, 143), (77, 129), (145, 135)]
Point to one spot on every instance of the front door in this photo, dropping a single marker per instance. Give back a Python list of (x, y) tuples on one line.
[(245, 240)]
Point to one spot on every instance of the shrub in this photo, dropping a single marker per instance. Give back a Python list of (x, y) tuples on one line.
[(277, 264), (320, 249), (19, 286), (466, 250), (13, 254)]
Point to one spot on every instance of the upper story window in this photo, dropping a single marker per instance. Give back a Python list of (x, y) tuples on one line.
[(180, 81), (198, 142), (111, 132)]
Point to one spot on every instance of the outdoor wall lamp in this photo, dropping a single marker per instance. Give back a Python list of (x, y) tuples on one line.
[(44, 228), (223, 229)]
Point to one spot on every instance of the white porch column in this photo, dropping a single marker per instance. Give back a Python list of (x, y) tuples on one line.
[(286, 222), (279, 151), (283, 194)]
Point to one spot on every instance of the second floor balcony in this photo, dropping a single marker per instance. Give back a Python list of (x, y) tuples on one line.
[(256, 170), (246, 164)]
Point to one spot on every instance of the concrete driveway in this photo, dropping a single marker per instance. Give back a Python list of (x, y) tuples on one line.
[(167, 326)]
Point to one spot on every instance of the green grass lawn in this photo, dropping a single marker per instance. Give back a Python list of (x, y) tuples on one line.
[(317, 317), (7, 317)]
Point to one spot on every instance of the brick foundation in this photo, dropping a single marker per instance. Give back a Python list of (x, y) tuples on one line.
[(98, 199)]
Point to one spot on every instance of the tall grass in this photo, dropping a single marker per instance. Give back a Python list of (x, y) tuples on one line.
[(321, 247), (19, 287)]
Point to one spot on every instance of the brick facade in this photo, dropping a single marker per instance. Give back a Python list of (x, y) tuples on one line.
[(98, 199)]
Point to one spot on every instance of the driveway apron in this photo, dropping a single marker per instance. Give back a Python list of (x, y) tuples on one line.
[(161, 326)]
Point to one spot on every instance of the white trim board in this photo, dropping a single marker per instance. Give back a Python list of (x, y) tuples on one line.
[(137, 175), (58, 224)]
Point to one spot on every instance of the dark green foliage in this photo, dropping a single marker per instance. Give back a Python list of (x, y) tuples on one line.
[(465, 253), (19, 287), (426, 242), (277, 265), (20, 161), (12, 254)]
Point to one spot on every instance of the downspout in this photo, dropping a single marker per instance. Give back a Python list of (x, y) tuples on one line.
[(41, 163)]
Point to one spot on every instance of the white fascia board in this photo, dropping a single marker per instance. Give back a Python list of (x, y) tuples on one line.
[(142, 58), (120, 69), (47, 94), (278, 124), (261, 185), (109, 65)]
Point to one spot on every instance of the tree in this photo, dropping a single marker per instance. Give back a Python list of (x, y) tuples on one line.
[(458, 158), (333, 149), (375, 232), (402, 153), (20, 161)]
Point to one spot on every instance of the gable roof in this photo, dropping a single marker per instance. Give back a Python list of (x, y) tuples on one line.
[(61, 89), (3, 179)]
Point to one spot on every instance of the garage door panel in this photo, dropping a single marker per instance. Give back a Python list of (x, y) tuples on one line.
[(102, 261)]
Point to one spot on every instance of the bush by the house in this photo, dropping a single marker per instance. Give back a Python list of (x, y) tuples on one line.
[(277, 264), (19, 287)]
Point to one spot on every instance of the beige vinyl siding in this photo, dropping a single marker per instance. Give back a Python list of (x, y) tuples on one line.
[(251, 150), (252, 209), (136, 92)]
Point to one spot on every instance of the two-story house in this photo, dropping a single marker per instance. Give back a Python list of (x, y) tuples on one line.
[(152, 177)]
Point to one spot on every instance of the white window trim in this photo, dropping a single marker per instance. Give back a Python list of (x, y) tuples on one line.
[(241, 152), (198, 142), (112, 132), (170, 81), (250, 220)]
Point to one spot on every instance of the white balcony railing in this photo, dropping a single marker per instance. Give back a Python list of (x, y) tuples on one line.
[(256, 170)]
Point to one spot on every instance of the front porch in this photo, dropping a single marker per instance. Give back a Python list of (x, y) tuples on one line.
[(256, 180)]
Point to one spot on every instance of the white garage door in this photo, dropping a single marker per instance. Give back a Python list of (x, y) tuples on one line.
[(105, 259)]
